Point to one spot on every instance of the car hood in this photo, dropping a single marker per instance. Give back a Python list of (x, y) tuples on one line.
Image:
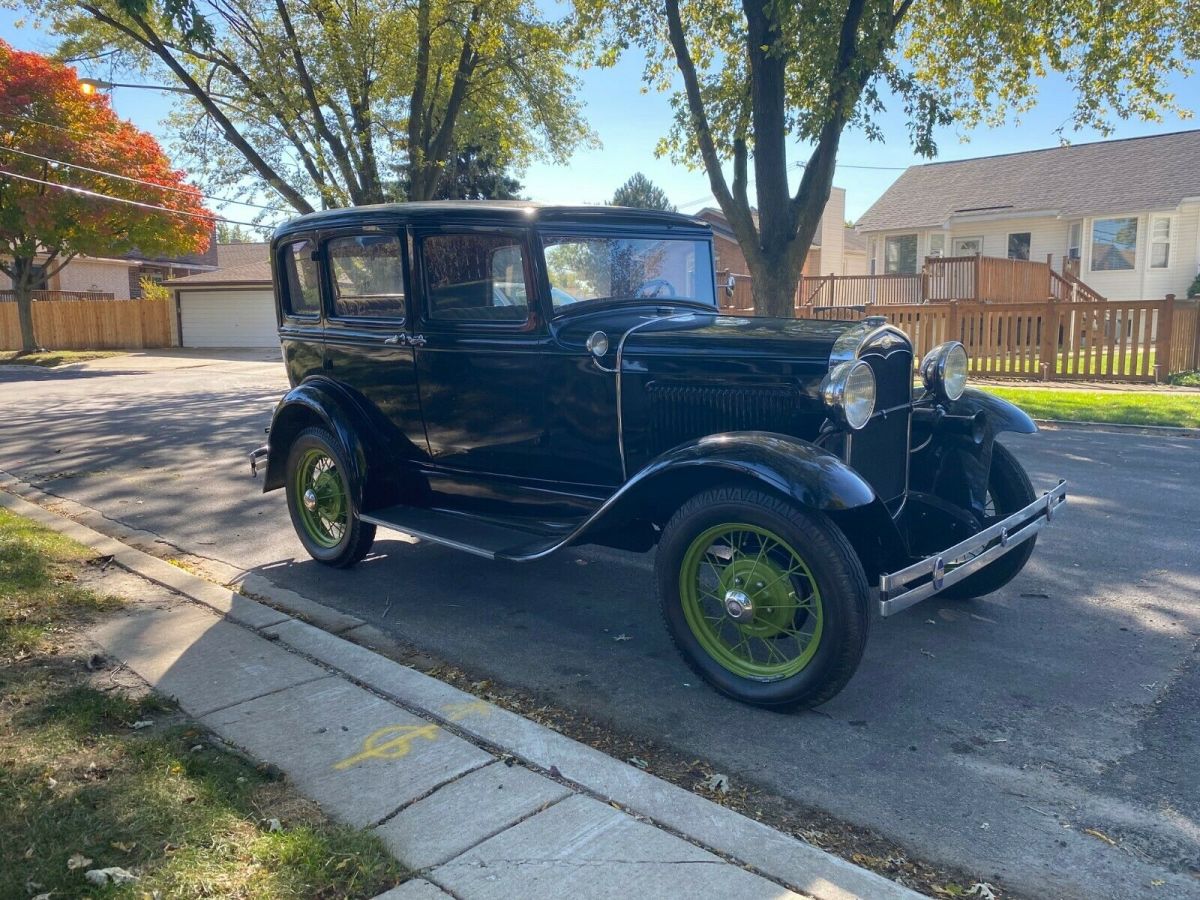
[(730, 337)]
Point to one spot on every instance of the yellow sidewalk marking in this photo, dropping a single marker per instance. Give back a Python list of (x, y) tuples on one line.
[(390, 742)]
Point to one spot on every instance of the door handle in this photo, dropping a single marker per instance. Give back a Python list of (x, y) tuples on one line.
[(393, 339), (417, 340)]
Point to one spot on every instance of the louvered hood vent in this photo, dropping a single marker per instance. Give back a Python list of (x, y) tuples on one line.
[(680, 412)]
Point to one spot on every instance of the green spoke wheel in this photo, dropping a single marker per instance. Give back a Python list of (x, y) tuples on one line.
[(321, 503), (765, 600), (321, 495), (751, 601)]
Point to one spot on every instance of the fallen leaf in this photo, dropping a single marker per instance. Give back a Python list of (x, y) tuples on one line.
[(622, 637), (45, 896), (1154, 882), (140, 724), (77, 861), (274, 825), (1101, 835), (123, 847), (113, 874), (983, 890), (638, 761), (718, 783), (927, 653), (29, 853), (51, 782)]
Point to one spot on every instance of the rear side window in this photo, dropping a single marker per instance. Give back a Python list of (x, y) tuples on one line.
[(302, 295), (367, 271), (475, 278)]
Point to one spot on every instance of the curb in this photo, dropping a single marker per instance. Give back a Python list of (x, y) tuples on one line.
[(1120, 428), (751, 844)]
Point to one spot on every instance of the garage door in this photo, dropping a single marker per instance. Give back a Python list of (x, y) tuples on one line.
[(228, 318)]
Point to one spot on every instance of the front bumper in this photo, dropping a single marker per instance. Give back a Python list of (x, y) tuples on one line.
[(900, 590), (257, 456)]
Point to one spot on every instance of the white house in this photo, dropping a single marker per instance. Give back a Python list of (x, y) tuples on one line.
[(1126, 213)]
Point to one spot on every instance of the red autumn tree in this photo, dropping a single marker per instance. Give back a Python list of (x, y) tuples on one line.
[(45, 114)]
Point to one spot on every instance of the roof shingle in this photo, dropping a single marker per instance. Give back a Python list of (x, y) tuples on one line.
[(1128, 175)]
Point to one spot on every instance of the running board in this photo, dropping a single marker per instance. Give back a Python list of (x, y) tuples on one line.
[(482, 538)]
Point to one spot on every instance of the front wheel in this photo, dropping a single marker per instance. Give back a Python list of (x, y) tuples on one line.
[(765, 601), (1009, 490), (321, 503)]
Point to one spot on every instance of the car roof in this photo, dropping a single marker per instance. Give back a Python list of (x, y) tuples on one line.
[(500, 212)]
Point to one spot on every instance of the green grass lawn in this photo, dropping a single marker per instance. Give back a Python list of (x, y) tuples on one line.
[(1128, 408), (78, 782), (48, 359)]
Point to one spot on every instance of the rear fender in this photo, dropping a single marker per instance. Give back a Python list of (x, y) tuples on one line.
[(318, 402)]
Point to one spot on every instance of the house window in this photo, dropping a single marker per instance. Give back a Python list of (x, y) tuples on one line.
[(1114, 244), (900, 255), (937, 244), (38, 280), (1160, 242), (303, 296), (368, 276), (1075, 240), (1018, 245)]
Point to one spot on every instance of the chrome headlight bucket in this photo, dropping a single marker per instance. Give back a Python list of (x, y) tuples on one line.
[(944, 370), (848, 391)]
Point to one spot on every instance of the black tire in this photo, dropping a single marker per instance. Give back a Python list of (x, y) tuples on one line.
[(1010, 490), (835, 570), (357, 536)]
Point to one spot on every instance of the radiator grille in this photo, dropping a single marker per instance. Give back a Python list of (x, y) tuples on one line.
[(879, 452), (680, 412)]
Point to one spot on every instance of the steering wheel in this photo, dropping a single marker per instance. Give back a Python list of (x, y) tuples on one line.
[(655, 289)]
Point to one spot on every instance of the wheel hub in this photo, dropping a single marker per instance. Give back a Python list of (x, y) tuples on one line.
[(739, 606), (310, 500)]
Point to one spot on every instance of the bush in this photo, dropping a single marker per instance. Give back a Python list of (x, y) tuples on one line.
[(1194, 290), (152, 290)]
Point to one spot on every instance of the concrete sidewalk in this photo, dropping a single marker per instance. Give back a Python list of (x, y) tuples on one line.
[(478, 801)]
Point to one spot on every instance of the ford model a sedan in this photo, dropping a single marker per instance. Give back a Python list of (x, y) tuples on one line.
[(509, 380)]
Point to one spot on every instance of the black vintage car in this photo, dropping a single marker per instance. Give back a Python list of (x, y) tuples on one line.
[(510, 379)]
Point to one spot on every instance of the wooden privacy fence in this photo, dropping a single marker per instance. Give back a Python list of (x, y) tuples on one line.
[(91, 325), (1140, 340)]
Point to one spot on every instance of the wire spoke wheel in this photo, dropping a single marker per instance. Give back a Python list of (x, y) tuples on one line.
[(320, 498), (751, 601)]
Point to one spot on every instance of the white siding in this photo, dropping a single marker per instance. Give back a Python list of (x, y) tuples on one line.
[(235, 318)]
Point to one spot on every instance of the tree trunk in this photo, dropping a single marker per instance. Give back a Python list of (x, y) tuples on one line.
[(773, 283), (22, 269)]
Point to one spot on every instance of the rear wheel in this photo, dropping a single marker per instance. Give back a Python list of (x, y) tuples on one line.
[(1009, 490), (321, 503), (766, 602)]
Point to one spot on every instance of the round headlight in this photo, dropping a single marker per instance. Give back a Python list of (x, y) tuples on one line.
[(944, 370), (849, 393)]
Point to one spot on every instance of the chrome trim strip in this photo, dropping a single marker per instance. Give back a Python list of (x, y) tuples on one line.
[(894, 595), (433, 539), (620, 373)]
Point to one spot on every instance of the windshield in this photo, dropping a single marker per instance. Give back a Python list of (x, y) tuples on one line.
[(604, 268)]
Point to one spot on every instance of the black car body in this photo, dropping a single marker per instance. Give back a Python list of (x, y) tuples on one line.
[(511, 379)]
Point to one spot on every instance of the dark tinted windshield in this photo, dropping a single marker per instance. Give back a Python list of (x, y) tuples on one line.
[(585, 268)]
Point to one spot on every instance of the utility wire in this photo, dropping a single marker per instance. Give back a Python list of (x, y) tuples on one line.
[(98, 196), (161, 187)]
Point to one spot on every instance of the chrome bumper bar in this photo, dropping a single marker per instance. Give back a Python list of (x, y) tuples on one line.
[(897, 590), (256, 456)]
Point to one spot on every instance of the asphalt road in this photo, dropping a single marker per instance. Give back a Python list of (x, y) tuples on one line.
[(1046, 735)]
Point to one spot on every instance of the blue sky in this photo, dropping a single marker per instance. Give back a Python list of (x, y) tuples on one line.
[(630, 122)]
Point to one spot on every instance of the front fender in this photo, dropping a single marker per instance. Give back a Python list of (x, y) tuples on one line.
[(1001, 415), (320, 402)]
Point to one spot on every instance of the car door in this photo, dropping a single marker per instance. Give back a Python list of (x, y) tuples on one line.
[(367, 336), (478, 351)]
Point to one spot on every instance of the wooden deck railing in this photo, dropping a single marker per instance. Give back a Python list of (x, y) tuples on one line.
[(1138, 340), (10, 296), (984, 279)]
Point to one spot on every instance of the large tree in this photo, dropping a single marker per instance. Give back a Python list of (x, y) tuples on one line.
[(759, 76), (53, 135), (329, 102), (642, 193)]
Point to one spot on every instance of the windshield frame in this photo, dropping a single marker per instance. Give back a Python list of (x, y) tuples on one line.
[(561, 230)]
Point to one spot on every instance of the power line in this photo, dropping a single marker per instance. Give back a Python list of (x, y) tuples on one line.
[(81, 131), (209, 217), (161, 187)]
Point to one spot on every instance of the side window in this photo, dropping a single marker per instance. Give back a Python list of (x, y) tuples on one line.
[(302, 296), (367, 271), (475, 278)]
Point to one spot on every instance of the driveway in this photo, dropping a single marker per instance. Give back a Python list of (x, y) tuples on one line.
[(1046, 735)]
